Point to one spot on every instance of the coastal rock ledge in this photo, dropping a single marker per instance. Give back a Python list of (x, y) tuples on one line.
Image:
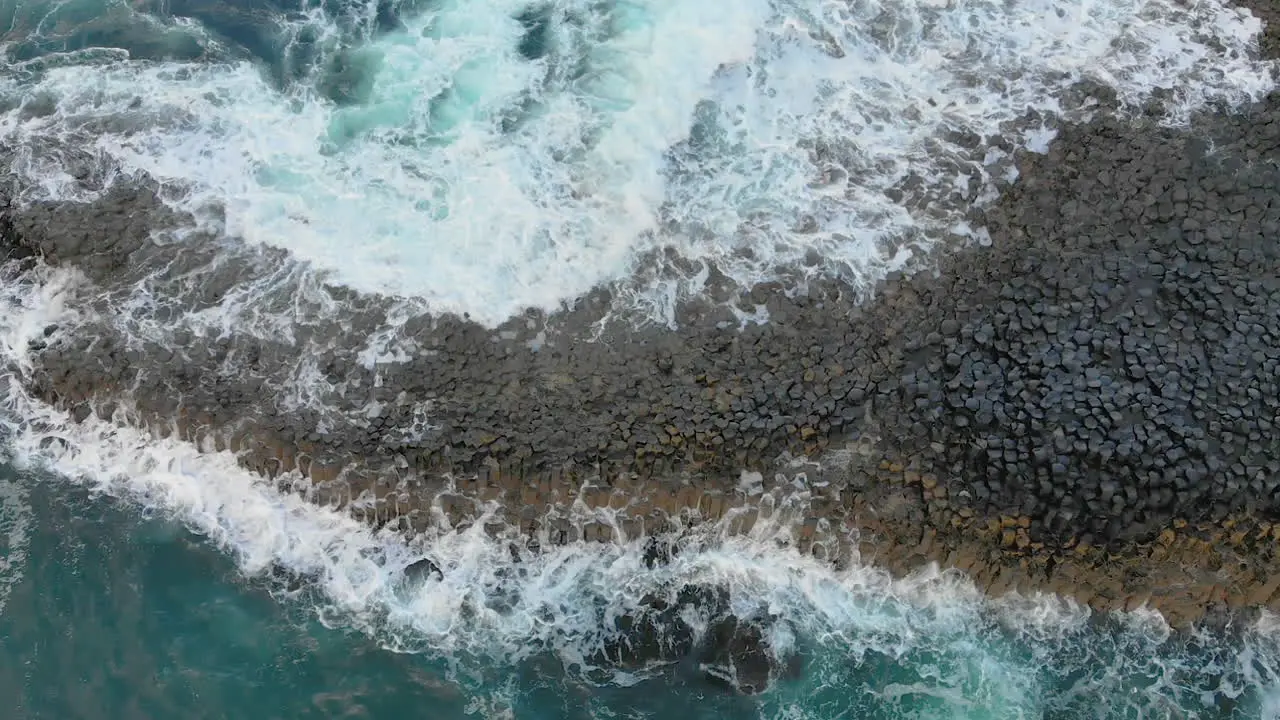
[(1087, 405)]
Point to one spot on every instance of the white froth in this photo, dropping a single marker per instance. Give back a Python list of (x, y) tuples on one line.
[(563, 600), (750, 132)]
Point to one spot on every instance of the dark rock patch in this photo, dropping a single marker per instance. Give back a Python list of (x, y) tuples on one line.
[(738, 655), (1105, 367), (422, 570), (659, 551), (1269, 13), (732, 652)]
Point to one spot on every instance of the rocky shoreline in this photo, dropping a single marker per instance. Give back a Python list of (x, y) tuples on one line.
[(1087, 405)]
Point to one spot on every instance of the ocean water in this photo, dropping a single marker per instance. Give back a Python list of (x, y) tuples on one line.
[(144, 578), (491, 155), (485, 156), (141, 580)]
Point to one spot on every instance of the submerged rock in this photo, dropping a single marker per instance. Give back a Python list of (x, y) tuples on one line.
[(730, 651), (421, 570), (659, 552), (288, 579), (737, 654)]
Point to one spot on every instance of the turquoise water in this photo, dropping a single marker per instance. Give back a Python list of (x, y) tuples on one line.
[(115, 613), (487, 156), (492, 155)]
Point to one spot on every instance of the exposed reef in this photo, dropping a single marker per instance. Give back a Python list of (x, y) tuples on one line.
[(1087, 404)]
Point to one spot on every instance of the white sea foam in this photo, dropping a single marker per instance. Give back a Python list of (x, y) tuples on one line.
[(720, 129), (929, 637), (753, 132)]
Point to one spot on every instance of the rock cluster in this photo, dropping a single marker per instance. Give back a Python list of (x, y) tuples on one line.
[(1106, 367), (1110, 362), (1269, 13), (698, 624), (532, 393)]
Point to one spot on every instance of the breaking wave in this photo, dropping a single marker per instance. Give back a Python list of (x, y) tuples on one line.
[(486, 157), (867, 645)]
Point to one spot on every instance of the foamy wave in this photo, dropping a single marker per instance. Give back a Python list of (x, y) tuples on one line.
[(871, 643), (755, 133)]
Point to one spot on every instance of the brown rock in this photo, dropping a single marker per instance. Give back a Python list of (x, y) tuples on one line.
[(809, 528), (965, 560), (866, 551), (1261, 594), (927, 539), (1002, 582), (742, 522), (712, 506), (1135, 601), (1102, 603), (982, 575), (686, 496), (529, 496)]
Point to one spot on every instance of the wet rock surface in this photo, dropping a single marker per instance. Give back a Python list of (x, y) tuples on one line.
[(1269, 14), (1106, 365), (420, 570), (731, 651), (1104, 370), (1109, 364)]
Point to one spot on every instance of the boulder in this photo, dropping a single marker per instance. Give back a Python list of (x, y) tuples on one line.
[(421, 570), (730, 651)]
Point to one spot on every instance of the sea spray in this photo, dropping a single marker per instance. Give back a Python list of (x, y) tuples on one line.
[(756, 183), (471, 173), (883, 646)]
